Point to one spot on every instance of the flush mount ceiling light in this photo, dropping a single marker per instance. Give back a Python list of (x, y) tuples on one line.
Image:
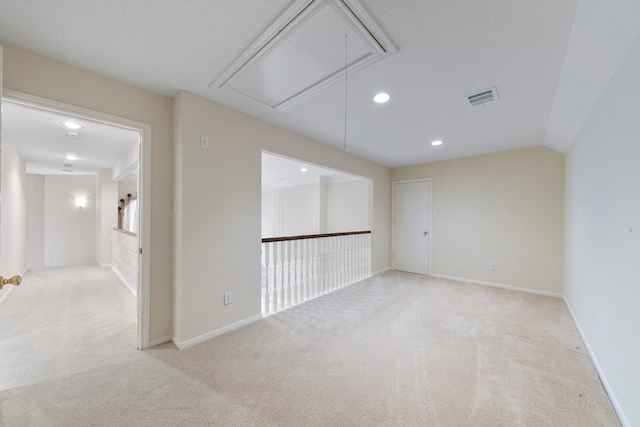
[(70, 157), (382, 97), (303, 169), (71, 125), (436, 142)]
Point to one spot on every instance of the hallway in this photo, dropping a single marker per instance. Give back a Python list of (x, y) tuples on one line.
[(63, 321)]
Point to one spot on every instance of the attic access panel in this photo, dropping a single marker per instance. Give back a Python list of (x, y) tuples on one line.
[(303, 53)]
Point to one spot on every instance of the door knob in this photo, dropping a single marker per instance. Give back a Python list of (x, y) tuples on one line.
[(425, 233), (15, 280)]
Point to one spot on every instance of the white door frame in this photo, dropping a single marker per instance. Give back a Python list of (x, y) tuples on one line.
[(144, 185), (393, 220)]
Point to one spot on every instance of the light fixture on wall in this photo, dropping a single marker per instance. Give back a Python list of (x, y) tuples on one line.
[(81, 201)]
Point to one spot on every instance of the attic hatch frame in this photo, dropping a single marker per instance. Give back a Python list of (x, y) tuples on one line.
[(353, 15)]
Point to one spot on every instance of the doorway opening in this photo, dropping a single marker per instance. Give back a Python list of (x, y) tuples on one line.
[(80, 176)]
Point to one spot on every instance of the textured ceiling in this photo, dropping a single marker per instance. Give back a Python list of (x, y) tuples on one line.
[(44, 143), (549, 60)]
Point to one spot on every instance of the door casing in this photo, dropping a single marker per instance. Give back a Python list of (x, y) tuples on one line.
[(428, 217)]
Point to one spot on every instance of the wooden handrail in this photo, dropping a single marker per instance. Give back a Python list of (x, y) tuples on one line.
[(312, 236)]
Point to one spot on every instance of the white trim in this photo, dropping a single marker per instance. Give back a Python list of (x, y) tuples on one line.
[(379, 272), (393, 220), (603, 378), (103, 265), (144, 184), (124, 282), (217, 332), (160, 341), (352, 14), (500, 285)]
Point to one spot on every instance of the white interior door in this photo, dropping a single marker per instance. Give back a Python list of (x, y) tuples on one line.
[(411, 214), (1, 83)]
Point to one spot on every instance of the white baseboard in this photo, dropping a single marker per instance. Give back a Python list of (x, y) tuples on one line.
[(376, 273), (603, 378), (124, 281), (159, 341), (500, 285), (217, 332), (103, 265)]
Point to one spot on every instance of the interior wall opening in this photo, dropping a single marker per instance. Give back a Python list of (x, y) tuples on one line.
[(316, 231), (85, 192)]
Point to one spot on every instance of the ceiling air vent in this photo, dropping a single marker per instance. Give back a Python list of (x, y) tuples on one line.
[(483, 97)]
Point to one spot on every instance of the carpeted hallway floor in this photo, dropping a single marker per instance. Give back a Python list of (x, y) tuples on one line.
[(396, 349)]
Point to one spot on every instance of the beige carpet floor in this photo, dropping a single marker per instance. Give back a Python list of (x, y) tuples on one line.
[(394, 350)]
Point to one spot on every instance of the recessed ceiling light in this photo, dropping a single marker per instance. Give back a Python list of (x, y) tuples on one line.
[(303, 169), (436, 142), (70, 157), (71, 125), (381, 97)]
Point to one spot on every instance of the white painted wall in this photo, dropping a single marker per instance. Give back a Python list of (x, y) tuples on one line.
[(291, 211), (218, 231), (69, 231), (322, 207), (107, 216), (35, 221), (505, 208), (14, 213), (34, 74), (127, 187), (347, 206), (602, 238), (125, 258), (127, 166)]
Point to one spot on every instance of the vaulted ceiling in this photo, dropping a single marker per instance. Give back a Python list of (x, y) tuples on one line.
[(548, 60)]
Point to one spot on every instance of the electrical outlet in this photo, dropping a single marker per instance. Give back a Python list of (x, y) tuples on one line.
[(204, 141), (228, 297), (493, 266)]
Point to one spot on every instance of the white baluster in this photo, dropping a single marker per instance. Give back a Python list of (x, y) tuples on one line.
[(299, 276), (329, 243), (323, 266), (287, 274), (307, 270), (318, 289), (265, 285), (368, 254), (277, 276), (338, 241), (341, 257), (360, 259), (292, 272), (352, 259), (316, 268)]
